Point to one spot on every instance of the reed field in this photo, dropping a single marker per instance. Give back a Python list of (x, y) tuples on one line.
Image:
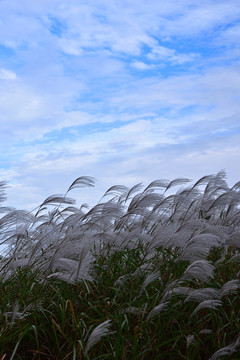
[(147, 273)]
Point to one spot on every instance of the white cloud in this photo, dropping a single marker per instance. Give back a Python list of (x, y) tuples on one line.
[(166, 54), (142, 66), (73, 64), (7, 75)]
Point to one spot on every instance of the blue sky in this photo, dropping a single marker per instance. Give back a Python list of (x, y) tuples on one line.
[(124, 91)]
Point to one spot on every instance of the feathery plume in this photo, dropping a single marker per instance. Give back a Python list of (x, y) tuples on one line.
[(207, 304), (226, 351), (200, 269), (231, 286), (149, 279), (82, 181), (157, 309), (100, 331), (200, 295)]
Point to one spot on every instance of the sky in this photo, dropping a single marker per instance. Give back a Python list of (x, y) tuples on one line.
[(124, 91)]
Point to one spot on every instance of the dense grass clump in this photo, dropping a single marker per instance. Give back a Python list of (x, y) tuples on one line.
[(143, 275)]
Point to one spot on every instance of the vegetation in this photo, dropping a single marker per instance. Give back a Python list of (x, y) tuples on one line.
[(146, 274)]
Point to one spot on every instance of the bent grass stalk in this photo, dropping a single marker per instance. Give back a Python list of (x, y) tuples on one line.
[(144, 275)]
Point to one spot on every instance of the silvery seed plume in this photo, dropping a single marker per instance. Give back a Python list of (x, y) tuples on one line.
[(176, 182), (177, 240), (234, 239), (56, 199), (73, 270), (82, 181), (133, 189), (226, 351), (149, 279), (157, 184), (100, 331), (122, 280), (161, 236), (117, 191), (143, 202), (199, 246), (15, 314), (231, 286), (70, 278), (140, 270), (190, 340), (216, 181), (157, 309), (233, 218), (222, 200), (173, 291), (200, 295), (207, 304), (200, 269), (204, 180), (134, 310), (236, 186), (146, 267)]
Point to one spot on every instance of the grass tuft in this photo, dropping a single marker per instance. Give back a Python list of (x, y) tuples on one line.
[(144, 275)]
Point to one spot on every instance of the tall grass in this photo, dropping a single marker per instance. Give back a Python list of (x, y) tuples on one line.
[(144, 274)]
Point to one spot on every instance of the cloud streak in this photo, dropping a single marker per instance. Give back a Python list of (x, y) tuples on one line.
[(125, 92)]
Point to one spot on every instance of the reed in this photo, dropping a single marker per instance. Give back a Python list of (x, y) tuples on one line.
[(144, 274)]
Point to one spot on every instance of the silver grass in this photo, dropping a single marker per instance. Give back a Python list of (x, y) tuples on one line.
[(200, 269), (15, 314), (175, 291), (3, 186), (149, 279), (190, 340), (182, 220), (236, 186), (222, 200), (161, 236), (203, 180), (231, 286), (233, 218), (216, 181), (142, 269), (134, 310), (157, 309), (199, 246), (71, 278), (191, 226), (117, 191), (122, 280), (157, 184), (176, 182), (234, 239), (73, 270), (82, 181), (96, 335), (226, 351), (177, 240), (200, 295), (56, 199), (104, 210), (139, 271), (207, 304), (131, 191), (141, 202)]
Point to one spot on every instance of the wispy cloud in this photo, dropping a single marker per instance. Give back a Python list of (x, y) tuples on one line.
[(122, 91)]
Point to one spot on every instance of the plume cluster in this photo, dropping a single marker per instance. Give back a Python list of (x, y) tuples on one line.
[(62, 241)]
